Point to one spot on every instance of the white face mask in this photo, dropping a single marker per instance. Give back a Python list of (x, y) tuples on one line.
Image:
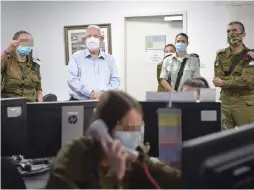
[(93, 43)]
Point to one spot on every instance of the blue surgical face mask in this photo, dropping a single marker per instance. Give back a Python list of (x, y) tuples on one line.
[(129, 139), (24, 51), (180, 47)]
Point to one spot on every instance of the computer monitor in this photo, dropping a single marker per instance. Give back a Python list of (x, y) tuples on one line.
[(170, 136), (151, 124), (220, 160), (199, 118), (45, 125), (13, 126)]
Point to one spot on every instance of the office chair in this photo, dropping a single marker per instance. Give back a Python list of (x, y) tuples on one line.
[(50, 98), (10, 176)]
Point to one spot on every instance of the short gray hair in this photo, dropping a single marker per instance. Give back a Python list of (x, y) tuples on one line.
[(95, 26)]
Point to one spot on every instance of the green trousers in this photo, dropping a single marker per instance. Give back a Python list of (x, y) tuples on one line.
[(237, 110)]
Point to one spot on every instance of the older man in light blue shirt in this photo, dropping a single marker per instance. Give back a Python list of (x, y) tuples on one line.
[(92, 71)]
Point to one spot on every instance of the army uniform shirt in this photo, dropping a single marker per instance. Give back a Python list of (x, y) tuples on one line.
[(77, 166), (237, 90), (240, 77), (26, 84), (160, 87), (171, 66)]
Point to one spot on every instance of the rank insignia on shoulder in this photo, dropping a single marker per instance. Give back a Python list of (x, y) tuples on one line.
[(251, 54), (221, 51), (35, 66), (217, 63), (194, 55), (247, 57), (251, 64), (37, 61)]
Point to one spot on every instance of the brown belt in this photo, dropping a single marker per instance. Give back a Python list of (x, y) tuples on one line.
[(237, 92)]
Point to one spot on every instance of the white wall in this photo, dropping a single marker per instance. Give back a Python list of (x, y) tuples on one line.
[(206, 27)]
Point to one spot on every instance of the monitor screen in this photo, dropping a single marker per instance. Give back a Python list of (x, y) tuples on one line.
[(220, 160), (170, 136)]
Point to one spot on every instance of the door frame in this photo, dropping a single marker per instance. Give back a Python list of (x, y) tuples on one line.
[(126, 17)]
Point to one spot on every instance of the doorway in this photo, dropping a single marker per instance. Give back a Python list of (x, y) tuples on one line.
[(140, 71)]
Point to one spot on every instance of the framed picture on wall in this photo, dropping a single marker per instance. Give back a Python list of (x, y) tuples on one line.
[(74, 39)]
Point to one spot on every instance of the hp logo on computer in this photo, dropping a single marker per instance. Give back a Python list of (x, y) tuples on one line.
[(73, 119)]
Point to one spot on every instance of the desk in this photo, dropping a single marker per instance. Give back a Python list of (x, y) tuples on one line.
[(37, 182)]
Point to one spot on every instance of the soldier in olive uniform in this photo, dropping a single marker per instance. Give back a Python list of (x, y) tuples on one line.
[(180, 66), (168, 50), (20, 72), (234, 73), (90, 164)]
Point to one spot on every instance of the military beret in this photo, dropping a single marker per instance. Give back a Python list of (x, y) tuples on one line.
[(248, 56), (221, 51), (194, 55)]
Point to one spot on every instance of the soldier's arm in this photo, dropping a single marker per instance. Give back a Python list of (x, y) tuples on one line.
[(196, 72), (159, 66), (68, 169), (218, 70), (243, 81), (166, 176), (38, 88), (165, 75), (4, 59)]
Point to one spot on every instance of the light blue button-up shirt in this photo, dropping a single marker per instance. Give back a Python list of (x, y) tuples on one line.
[(87, 74)]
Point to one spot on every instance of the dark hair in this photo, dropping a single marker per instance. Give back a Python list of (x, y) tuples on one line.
[(198, 82), (184, 35), (170, 45), (113, 106), (17, 34), (239, 23)]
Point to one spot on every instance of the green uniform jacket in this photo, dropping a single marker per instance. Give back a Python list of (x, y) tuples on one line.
[(160, 87), (241, 78), (26, 85), (77, 167)]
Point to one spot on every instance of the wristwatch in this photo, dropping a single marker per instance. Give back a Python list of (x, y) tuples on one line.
[(6, 52)]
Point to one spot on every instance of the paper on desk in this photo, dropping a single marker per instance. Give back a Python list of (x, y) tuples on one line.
[(207, 95)]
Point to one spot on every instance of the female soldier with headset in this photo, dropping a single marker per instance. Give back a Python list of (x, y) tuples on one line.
[(20, 72)]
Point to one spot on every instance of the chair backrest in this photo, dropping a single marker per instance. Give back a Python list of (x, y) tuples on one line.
[(10, 176), (50, 98)]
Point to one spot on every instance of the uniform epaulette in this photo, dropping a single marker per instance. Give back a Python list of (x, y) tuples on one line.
[(251, 53), (248, 56), (194, 55), (221, 51), (37, 61), (169, 55)]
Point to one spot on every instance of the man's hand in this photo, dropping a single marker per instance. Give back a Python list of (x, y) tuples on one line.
[(217, 82), (172, 90), (95, 95)]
